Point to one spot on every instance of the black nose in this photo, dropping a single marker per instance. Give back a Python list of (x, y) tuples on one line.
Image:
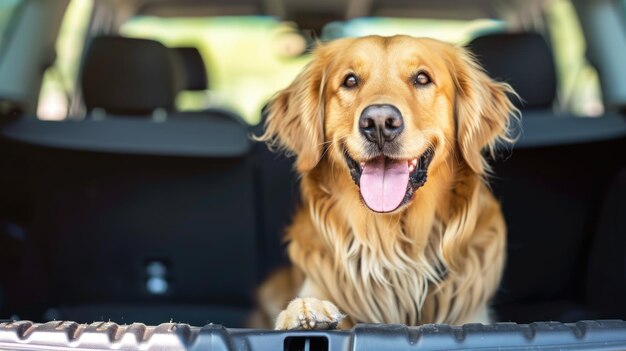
[(381, 123)]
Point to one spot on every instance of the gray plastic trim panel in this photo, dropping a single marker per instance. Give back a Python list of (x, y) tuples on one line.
[(584, 335)]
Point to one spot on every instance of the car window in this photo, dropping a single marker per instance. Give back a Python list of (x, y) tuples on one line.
[(247, 58), (58, 89), (578, 83), (7, 11)]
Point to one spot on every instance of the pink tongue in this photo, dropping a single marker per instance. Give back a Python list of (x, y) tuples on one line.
[(383, 183)]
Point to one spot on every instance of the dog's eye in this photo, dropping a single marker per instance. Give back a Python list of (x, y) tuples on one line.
[(421, 79), (351, 81)]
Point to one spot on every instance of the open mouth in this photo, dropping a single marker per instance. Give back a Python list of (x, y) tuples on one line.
[(386, 183)]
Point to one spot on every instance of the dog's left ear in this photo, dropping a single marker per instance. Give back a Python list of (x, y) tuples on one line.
[(483, 110)]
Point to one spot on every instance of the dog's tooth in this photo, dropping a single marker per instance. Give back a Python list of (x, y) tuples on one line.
[(362, 164), (411, 168)]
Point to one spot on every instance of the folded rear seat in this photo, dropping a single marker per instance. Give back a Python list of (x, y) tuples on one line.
[(136, 219), (550, 186)]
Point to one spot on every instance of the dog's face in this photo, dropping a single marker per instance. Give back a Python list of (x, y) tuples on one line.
[(389, 104), (388, 109)]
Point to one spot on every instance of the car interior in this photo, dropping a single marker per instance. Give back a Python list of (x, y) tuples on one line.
[(134, 207)]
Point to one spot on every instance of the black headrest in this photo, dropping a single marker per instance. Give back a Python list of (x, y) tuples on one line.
[(129, 76), (523, 60), (193, 67)]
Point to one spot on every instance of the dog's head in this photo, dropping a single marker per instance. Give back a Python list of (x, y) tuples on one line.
[(389, 110)]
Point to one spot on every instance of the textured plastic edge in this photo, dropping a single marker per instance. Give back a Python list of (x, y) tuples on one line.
[(59, 335)]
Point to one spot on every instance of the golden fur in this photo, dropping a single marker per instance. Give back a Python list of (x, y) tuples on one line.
[(437, 259)]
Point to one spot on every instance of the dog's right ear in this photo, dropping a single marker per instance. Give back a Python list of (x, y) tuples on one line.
[(295, 120)]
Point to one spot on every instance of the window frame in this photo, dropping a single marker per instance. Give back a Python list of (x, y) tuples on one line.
[(9, 27)]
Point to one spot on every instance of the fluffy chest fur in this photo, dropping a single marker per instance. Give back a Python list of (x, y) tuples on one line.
[(375, 268)]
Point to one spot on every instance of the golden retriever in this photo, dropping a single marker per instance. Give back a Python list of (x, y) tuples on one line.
[(397, 223)]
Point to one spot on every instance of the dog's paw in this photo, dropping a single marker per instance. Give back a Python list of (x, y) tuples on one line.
[(309, 313)]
